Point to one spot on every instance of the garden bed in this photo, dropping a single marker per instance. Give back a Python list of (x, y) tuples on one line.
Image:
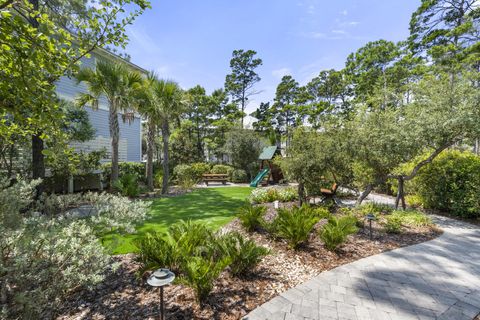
[(123, 294)]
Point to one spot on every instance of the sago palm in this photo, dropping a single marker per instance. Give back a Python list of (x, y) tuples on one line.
[(118, 84)]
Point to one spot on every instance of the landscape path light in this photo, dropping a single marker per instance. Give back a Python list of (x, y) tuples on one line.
[(370, 217), (161, 278)]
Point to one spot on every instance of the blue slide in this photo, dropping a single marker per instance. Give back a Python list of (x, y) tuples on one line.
[(259, 178)]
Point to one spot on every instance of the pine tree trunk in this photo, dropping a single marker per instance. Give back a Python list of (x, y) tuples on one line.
[(150, 150), (115, 137), (165, 139)]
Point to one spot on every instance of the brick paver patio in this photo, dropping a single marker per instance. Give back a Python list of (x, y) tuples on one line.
[(438, 279)]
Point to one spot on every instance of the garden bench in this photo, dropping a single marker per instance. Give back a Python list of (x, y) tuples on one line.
[(329, 194), (215, 177)]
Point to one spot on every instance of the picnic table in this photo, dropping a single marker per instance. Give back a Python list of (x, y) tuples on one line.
[(215, 177)]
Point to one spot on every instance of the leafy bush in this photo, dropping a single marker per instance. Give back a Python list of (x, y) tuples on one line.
[(414, 200), (185, 175), (197, 254), (45, 256), (375, 208), (335, 232), (158, 178), (244, 254), (294, 225), (322, 213), (239, 176), (200, 273), (127, 185), (264, 195), (251, 217), (222, 169), (393, 224), (136, 168), (450, 183), (199, 169), (411, 218)]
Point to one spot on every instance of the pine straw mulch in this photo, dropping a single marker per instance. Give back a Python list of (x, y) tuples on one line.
[(124, 296)]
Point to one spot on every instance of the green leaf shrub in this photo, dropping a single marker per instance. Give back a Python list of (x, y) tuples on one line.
[(271, 194), (46, 253), (244, 254), (135, 168), (128, 185), (412, 218), (335, 232), (450, 183), (251, 216), (222, 169), (185, 176), (239, 176), (200, 273), (197, 254), (294, 225), (322, 213), (393, 224), (199, 169), (373, 207)]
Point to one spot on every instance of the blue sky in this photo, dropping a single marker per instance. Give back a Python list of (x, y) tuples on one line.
[(191, 41)]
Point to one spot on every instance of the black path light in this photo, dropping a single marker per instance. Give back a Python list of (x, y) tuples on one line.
[(161, 278), (370, 217)]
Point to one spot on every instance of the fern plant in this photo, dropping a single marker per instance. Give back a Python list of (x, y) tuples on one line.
[(127, 185), (251, 216), (244, 254), (294, 225), (335, 232), (157, 250), (201, 272)]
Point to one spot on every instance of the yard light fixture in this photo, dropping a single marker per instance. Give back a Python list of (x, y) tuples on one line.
[(370, 217), (161, 278)]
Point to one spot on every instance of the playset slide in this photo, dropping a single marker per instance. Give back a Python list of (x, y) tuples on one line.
[(259, 178)]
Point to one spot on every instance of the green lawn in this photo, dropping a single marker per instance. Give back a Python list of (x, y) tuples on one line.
[(215, 206)]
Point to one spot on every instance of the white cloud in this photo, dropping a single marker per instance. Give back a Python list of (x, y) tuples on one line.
[(279, 73), (140, 39), (344, 13), (342, 32)]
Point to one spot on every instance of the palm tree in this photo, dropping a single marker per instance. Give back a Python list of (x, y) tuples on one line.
[(170, 99), (118, 85), (149, 106)]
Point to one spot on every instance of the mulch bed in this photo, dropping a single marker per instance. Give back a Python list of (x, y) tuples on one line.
[(123, 295)]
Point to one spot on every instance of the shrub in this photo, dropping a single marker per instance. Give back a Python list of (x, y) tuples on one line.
[(393, 224), (450, 183), (186, 177), (251, 217), (158, 178), (199, 169), (192, 238), (375, 208), (136, 168), (127, 185), (45, 256), (222, 169), (158, 250), (264, 195), (322, 213), (411, 218), (239, 176), (200, 273), (294, 225), (335, 232), (244, 254), (414, 200)]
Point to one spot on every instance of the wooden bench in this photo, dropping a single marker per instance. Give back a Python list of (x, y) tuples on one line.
[(215, 177), (329, 194)]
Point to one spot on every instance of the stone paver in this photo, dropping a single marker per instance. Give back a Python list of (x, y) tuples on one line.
[(438, 279)]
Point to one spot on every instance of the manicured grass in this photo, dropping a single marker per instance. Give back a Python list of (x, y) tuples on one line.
[(215, 206)]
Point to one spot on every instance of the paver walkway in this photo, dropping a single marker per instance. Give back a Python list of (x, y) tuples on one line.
[(438, 279)]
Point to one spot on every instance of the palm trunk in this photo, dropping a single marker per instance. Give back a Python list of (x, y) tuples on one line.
[(165, 139), (115, 137), (150, 150)]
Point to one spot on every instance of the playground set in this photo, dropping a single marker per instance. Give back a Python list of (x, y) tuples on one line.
[(269, 172)]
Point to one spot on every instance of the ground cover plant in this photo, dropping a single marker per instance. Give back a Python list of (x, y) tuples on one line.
[(270, 194), (198, 255), (215, 206), (251, 216)]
